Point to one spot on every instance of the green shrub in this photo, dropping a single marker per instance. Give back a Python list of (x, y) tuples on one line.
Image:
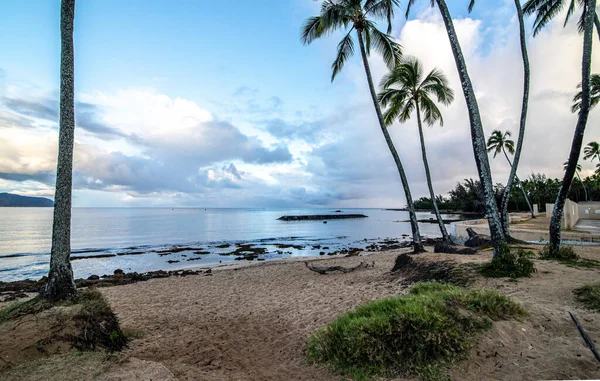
[(414, 334), (589, 296), (564, 253), (514, 263)]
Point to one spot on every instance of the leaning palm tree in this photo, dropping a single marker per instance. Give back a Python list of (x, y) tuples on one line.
[(404, 89), (545, 12), (591, 151), (523, 120), (594, 95), (500, 143), (60, 278), (578, 169), (477, 134), (359, 15)]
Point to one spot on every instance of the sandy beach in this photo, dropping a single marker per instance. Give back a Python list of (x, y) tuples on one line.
[(252, 323)]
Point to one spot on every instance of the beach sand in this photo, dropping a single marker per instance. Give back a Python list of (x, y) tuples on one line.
[(252, 323)]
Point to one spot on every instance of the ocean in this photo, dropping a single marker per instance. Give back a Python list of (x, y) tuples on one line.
[(135, 239)]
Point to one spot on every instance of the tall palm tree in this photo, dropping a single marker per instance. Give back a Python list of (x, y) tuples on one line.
[(594, 94), (358, 14), (578, 169), (404, 89), (500, 143), (477, 134), (546, 10), (522, 123), (591, 151), (61, 284)]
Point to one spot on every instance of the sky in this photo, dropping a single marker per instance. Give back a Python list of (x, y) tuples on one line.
[(191, 103)]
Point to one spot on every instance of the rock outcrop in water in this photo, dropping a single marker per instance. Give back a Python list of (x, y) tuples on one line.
[(320, 217)]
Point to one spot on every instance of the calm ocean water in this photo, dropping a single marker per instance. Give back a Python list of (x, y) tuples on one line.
[(25, 236)]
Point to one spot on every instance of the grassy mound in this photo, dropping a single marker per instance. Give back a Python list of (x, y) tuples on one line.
[(513, 263), (424, 270), (413, 334), (563, 254), (589, 296), (36, 327)]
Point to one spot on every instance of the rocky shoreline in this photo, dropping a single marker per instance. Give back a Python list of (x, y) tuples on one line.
[(321, 217)]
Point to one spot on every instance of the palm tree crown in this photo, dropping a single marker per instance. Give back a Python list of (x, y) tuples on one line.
[(340, 14), (594, 96), (499, 142), (546, 10), (591, 151), (566, 164), (405, 86)]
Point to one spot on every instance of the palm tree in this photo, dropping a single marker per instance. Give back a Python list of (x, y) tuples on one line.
[(356, 14), (504, 218), (404, 89), (477, 134), (60, 278), (546, 10), (578, 169), (594, 97), (591, 151), (500, 143)]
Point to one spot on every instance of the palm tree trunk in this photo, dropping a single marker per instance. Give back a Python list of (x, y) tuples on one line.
[(428, 175), (522, 188), (417, 244), (586, 63), (479, 143), (60, 278), (505, 219), (583, 185)]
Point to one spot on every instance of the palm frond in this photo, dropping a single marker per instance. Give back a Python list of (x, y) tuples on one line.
[(382, 9), (385, 45), (345, 51), (471, 5), (437, 83), (430, 110), (394, 111)]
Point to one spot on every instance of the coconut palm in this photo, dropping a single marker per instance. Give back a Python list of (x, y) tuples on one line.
[(578, 169), (500, 143), (546, 10), (358, 15), (591, 151), (594, 97), (522, 123), (60, 278), (405, 89), (477, 134)]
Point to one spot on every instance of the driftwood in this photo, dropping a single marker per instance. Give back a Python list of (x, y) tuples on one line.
[(585, 336), (325, 270)]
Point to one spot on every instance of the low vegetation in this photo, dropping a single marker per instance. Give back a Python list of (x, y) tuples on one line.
[(589, 296), (92, 323), (511, 262), (415, 334), (568, 256)]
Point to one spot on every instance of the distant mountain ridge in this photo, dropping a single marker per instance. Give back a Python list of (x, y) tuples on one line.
[(9, 199)]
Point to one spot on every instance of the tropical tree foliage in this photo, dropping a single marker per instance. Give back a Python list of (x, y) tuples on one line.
[(500, 143), (594, 97), (358, 16), (406, 89)]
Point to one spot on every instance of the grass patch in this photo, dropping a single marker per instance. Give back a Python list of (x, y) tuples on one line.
[(416, 334), (133, 333), (96, 324), (589, 296), (513, 263), (566, 255)]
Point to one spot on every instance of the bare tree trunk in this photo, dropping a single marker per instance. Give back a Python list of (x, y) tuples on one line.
[(505, 219), (586, 63), (417, 244), (477, 134), (60, 278), (428, 175)]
